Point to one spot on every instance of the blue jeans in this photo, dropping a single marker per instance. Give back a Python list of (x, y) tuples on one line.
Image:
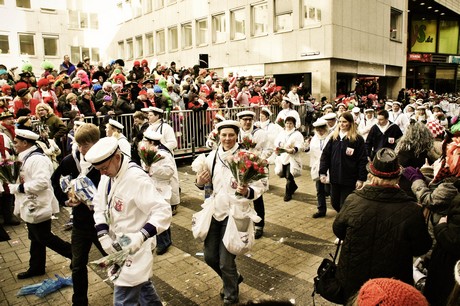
[(164, 239), (221, 260), (143, 294), (322, 190)]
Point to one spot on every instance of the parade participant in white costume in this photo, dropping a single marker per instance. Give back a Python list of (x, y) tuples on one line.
[(157, 124), (114, 129), (287, 110)]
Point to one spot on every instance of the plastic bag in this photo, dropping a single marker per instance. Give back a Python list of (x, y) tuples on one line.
[(48, 286), (81, 189), (199, 164), (201, 221), (112, 264), (239, 235)]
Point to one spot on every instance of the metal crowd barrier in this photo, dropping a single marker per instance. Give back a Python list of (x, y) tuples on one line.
[(191, 127)]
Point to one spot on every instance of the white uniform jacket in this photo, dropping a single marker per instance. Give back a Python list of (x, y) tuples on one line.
[(124, 145), (288, 112), (399, 119), (289, 140), (38, 202), (365, 126), (132, 204), (317, 145), (169, 136), (223, 195), (165, 177), (258, 136)]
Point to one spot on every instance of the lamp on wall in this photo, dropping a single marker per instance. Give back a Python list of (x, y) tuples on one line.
[(313, 53)]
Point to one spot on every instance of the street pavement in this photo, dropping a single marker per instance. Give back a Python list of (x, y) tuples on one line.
[(281, 265)]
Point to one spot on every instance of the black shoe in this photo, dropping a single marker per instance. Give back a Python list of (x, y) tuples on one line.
[(319, 215), (240, 280), (162, 250), (29, 274), (12, 222), (287, 197), (259, 233), (294, 189)]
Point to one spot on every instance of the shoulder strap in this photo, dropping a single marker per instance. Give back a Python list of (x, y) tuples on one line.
[(337, 251)]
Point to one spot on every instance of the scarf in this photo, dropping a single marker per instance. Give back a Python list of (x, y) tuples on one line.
[(10, 129)]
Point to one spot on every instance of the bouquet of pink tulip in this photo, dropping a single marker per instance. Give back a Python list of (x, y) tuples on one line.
[(247, 143), (149, 155), (247, 167), (280, 122), (9, 170)]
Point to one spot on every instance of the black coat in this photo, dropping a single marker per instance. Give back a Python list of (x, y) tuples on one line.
[(446, 253), (82, 215), (382, 230), (376, 139), (344, 169)]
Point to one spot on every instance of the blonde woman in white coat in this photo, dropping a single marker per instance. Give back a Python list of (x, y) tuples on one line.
[(317, 144), (289, 164), (164, 175)]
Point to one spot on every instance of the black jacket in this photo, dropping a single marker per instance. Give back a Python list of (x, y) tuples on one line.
[(446, 253), (376, 139), (344, 168), (82, 215), (382, 230)]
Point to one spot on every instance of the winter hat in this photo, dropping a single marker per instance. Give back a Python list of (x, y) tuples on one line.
[(144, 62), (5, 88), (3, 71), (136, 63), (43, 82), (435, 128), (389, 292), (385, 164), (157, 89)]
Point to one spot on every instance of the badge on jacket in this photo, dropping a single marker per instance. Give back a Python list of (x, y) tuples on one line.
[(349, 151), (391, 140), (118, 204)]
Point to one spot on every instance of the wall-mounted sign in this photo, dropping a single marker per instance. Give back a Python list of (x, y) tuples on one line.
[(423, 36), (454, 59), (417, 57)]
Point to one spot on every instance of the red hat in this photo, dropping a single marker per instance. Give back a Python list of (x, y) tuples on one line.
[(144, 61), (75, 85), (143, 92), (19, 86), (5, 88), (43, 82), (119, 77), (389, 292), (136, 63)]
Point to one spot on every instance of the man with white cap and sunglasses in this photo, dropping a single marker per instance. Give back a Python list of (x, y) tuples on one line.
[(128, 206)]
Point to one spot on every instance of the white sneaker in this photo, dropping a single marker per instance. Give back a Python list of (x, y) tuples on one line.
[(337, 240)]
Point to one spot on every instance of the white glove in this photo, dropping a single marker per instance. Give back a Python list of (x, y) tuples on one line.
[(13, 188), (137, 239), (107, 244)]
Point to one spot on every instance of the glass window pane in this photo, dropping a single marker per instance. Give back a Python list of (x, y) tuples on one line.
[(2, 2), (23, 3), (160, 39), (51, 46), (396, 25), (148, 6), (260, 19), (85, 52), (75, 54), (448, 36), (83, 20), (201, 32), (150, 46), (26, 44), (187, 35), (173, 39), (129, 48), (219, 28), (284, 22), (94, 19), (238, 29), (4, 44), (95, 55), (139, 46), (73, 19)]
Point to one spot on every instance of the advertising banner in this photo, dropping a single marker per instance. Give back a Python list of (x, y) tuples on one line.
[(423, 36)]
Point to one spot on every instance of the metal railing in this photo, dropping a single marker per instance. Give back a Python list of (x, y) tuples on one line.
[(192, 127)]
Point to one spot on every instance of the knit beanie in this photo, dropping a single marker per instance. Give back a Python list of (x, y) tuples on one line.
[(389, 292)]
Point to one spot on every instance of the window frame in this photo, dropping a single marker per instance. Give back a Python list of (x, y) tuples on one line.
[(24, 7), (236, 34), (287, 13), (201, 32), (7, 43), (160, 39), (396, 25), (186, 28), (56, 39), (129, 48), (139, 47), (171, 41), (150, 41), (33, 44), (253, 19), (219, 37)]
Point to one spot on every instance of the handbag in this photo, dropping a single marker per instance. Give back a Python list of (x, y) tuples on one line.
[(201, 221), (239, 235), (325, 282)]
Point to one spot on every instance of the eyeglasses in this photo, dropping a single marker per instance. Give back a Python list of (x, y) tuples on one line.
[(104, 169)]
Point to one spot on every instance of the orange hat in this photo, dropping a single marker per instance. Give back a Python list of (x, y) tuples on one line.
[(143, 92), (389, 292), (43, 82), (5, 88)]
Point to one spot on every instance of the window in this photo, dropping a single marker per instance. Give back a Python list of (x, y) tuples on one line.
[(150, 45), (311, 13), (201, 32), (4, 44), (259, 19), (219, 29), (26, 44), (73, 19), (173, 37), (129, 48), (139, 46), (85, 52), (148, 6), (23, 3), (75, 54), (95, 54), (137, 8), (396, 25), (50, 44), (83, 21), (187, 35), (283, 15), (158, 4), (238, 29), (2, 2), (160, 38), (121, 49), (94, 21)]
